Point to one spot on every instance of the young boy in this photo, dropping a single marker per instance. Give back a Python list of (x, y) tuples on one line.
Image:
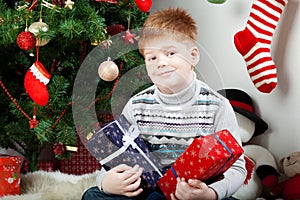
[(172, 112)]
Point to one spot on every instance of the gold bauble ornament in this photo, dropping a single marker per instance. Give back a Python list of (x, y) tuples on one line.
[(36, 28), (95, 43), (108, 70)]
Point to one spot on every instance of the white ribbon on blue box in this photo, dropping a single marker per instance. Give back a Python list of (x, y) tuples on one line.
[(128, 139)]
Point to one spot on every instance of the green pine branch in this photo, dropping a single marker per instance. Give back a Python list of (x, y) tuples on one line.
[(70, 35)]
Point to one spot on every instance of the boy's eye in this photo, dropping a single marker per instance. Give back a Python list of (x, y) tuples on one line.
[(153, 58), (170, 53)]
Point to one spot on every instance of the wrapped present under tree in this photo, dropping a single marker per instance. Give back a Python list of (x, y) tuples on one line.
[(206, 158), (10, 167)]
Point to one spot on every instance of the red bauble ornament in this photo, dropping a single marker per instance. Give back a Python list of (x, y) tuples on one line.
[(26, 40), (59, 149), (143, 5), (115, 29)]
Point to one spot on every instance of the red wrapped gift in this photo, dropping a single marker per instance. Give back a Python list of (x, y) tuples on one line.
[(10, 174), (206, 157)]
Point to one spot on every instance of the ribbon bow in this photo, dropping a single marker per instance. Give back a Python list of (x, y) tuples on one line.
[(130, 136)]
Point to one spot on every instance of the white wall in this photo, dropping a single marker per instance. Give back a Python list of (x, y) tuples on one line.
[(223, 67)]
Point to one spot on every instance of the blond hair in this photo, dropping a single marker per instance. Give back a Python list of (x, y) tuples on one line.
[(175, 21)]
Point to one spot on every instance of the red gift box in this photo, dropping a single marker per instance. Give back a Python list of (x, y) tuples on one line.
[(206, 157), (10, 167)]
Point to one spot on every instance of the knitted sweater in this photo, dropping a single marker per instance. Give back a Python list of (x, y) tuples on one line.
[(169, 123)]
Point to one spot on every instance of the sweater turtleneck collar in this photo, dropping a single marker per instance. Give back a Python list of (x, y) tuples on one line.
[(181, 97)]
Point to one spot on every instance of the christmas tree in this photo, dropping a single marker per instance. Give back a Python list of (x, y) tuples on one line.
[(51, 40)]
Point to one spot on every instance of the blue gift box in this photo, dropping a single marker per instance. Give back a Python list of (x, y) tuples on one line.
[(118, 142)]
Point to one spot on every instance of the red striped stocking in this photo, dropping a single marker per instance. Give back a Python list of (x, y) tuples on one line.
[(254, 42)]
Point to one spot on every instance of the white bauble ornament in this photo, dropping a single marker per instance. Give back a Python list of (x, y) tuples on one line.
[(108, 70)]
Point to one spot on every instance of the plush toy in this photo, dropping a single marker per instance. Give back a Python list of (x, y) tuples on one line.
[(289, 189), (260, 163)]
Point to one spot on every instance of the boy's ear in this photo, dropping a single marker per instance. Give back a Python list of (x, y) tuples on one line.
[(195, 56)]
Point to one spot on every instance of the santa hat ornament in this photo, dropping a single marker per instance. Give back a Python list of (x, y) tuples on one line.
[(35, 81)]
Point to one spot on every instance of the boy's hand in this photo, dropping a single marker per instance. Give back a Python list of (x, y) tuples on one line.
[(192, 190), (123, 180)]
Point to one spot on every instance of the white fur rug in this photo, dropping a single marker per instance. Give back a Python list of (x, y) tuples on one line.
[(41, 185)]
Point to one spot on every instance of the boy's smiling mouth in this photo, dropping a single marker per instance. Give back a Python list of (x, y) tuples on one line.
[(165, 71)]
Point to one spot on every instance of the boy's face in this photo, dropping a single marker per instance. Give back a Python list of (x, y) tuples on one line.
[(170, 63)]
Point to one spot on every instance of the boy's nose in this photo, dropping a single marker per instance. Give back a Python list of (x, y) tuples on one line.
[(162, 61)]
